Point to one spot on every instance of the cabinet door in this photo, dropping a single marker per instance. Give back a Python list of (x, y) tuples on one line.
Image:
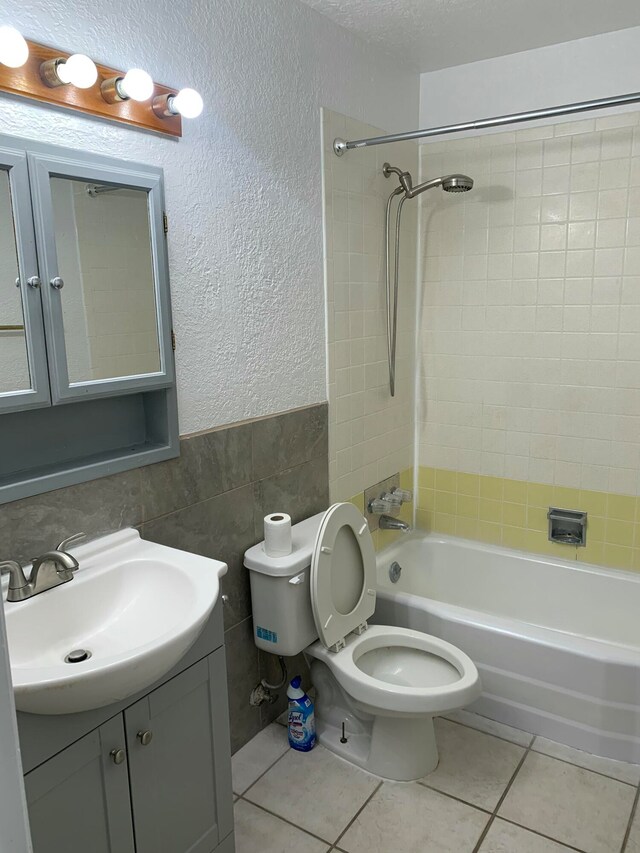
[(101, 245), (24, 382), (181, 778), (78, 801)]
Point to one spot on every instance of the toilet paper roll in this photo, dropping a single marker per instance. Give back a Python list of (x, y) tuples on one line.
[(277, 534)]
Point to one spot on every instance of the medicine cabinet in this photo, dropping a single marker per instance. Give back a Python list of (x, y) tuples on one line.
[(87, 383)]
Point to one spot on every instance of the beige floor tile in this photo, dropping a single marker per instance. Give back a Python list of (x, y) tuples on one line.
[(616, 769), (473, 765), (570, 804), (633, 843), (413, 819), (315, 790), (504, 837), (255, 830), (491, 727), (250, 762)]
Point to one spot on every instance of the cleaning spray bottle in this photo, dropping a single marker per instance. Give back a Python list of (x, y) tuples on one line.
[(302, 721)]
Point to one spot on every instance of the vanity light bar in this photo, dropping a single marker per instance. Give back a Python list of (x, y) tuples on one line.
[(73, 81)]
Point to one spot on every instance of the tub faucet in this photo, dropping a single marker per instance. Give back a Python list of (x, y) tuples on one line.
[(388, 522), (49, 570)]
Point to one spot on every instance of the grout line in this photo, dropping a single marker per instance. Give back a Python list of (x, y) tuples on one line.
[(588, 769), (541, 834), (532, 747), (634, 809), (501, 800), (286, 820), (452, 796), (491, 734), (255, 781), (359, 812)]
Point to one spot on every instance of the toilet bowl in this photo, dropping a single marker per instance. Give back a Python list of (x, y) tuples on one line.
[(377, 687), (386, 685)]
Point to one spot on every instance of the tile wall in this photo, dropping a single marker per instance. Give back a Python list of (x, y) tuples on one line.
[(370, 433), (513, 513), (211, 501), (530, 319), (529, 366)]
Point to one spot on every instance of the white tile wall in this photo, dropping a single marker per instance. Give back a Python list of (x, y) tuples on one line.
[(370, 433), (530, 316)]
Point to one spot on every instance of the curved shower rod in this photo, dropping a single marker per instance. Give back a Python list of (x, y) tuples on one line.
[(341, 145)]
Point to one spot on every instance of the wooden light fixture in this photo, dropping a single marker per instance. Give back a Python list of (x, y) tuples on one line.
[(37, 79)]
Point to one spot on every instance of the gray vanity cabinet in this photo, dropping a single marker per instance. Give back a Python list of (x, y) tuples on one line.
[(79, 799), (169, 790), (175, 794)]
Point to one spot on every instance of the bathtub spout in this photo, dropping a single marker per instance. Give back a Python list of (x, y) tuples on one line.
[(388, 522)]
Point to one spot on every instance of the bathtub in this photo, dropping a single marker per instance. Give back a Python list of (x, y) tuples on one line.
[(556, 642)]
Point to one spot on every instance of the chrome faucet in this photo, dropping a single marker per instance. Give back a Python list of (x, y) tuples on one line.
[(47, 571), (388, 522)]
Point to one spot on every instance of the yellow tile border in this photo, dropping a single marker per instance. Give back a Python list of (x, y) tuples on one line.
[(513, 513)]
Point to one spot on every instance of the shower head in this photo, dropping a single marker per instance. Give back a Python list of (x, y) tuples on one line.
[(449, 183), (457, 184)]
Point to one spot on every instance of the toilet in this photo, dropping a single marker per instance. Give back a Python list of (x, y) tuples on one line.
[(378, 687)]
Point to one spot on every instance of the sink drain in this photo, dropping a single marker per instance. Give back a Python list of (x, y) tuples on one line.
[(77, 656)]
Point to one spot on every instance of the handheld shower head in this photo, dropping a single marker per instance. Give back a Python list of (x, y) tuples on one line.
[(449, 183), (457, 184)]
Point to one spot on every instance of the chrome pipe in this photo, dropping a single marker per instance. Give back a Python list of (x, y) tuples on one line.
[(391, 290), (341, 145)]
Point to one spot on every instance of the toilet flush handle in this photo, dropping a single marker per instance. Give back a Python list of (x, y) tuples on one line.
[(297, 579)]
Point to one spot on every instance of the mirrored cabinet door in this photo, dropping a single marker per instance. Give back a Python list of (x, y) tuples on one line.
[(23, 373), (101, 240)]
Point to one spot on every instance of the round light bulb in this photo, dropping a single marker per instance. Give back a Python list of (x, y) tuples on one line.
[(137, 85), (188, 103), (14, 51), (78, 70)]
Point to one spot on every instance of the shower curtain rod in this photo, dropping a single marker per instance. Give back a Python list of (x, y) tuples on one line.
[(341, 145)]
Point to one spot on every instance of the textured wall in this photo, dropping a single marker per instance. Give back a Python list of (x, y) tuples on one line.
[(587, 68), (243, 185)]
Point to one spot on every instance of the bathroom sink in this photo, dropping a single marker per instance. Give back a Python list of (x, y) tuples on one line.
[(133, 606)]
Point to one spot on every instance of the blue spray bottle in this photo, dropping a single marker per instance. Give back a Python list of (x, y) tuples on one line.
[(302, 721)]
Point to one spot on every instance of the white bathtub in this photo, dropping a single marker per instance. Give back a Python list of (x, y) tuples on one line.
[(557, 643)]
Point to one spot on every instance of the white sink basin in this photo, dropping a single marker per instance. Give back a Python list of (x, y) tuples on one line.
[(136, 606)]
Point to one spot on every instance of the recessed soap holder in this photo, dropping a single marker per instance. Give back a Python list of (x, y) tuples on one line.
[(567, 526)]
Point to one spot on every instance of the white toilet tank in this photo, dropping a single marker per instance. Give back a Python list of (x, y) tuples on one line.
[(280, 593)]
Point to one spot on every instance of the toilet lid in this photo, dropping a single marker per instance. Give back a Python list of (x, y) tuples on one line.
[(343, 574)]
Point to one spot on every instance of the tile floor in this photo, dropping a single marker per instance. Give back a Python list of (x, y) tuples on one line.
[(495, 790)]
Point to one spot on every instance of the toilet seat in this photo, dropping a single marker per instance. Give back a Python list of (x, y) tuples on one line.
[(442, 694), (343, 575)]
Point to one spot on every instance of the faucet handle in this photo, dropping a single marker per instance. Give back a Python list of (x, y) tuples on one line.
[(71, 540), (17, 579), (405, 495)]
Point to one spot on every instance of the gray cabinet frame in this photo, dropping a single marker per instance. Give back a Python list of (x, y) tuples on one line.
[(81, 794), (137, 415), (44, 166), (14, 162)]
